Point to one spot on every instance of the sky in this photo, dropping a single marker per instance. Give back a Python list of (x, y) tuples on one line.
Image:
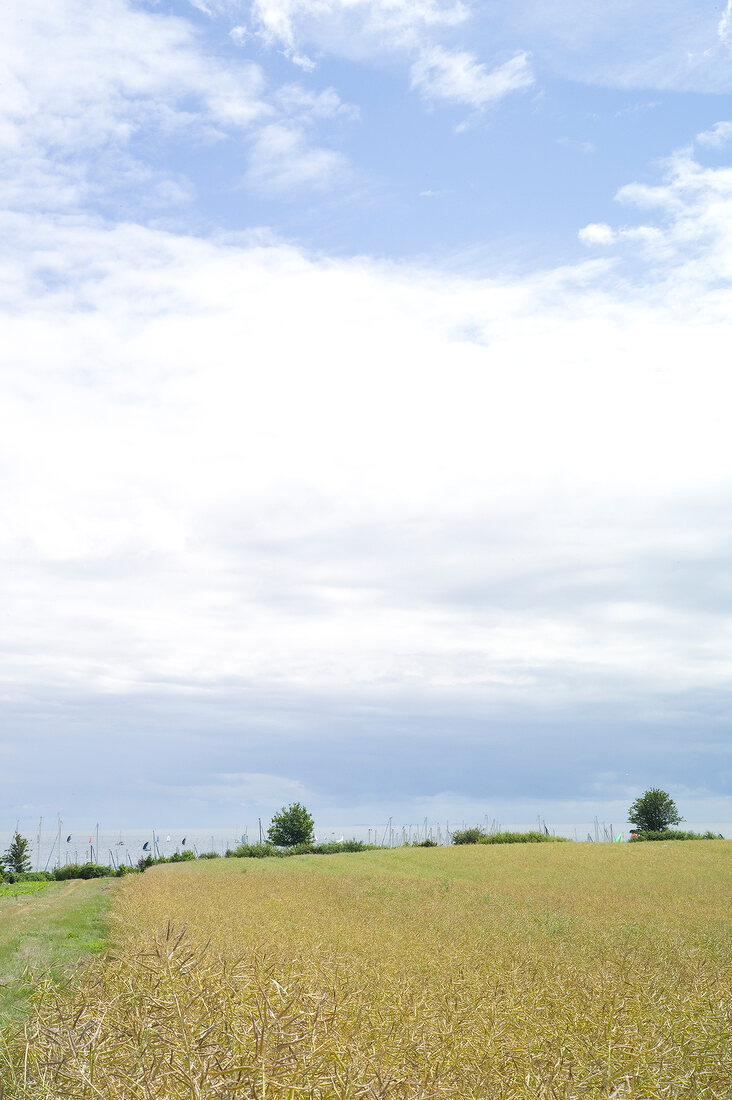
[(365, 409)]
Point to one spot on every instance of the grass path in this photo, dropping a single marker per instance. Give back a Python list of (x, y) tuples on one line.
[(47, 932)]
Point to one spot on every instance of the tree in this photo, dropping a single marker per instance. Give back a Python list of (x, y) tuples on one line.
[(292, 825), (654, 811), (17, 858)]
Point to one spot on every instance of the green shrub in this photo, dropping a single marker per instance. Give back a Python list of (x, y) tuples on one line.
[(82, 870), (479, 836), (672, 834), (208, 855), (532, 837), (468, 836), (253, 851), (333, 847), (26, 876), (428, 843), (330, 848)]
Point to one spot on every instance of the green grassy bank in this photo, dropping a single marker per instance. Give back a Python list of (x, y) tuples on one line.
[(44, 929)]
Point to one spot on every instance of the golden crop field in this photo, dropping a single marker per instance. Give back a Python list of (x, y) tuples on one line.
[(572, 971)]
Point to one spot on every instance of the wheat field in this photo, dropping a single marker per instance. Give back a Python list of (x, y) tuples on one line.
[(487, 973)]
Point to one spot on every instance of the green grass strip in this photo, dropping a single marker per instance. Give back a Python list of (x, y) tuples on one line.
[(45, 928)]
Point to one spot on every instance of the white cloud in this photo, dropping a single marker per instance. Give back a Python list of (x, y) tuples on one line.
[(282, 160), (239, 35), (68, 126), (111, 68), (597, 233), (251, 467), (458, 77), (692, 240), (661, 44), (724, 28), (284, 157), (378, 29), (84, 77), (353, 27), (719, 135), (250, 790), (601, 234), (308, 105)]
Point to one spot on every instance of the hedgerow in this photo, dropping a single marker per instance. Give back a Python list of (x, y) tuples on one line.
[(477, 835), (673, 834)]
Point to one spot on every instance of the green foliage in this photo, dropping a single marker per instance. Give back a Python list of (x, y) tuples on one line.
[(17, 857), (205, 855), (292, 825), (334, 847), (28, 876), (479, 836), (428, 843), (253, 851), (331, 848), (654, 811), (82, 870), (9, 888), (673, 834), (44, 940), (532, 837), (468, 836)]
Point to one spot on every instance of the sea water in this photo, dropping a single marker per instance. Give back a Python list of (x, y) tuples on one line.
[(112, 847)]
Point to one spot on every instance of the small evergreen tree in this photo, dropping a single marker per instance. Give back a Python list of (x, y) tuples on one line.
[(292, 825), (654, 811), (17, 857)]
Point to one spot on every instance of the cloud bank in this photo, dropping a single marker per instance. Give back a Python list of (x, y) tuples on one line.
[(384, 32), (236, 469), (661, 44), (376, 529)]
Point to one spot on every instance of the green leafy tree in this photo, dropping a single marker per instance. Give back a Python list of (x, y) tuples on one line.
[(654, 811), (17, 857), (292, 825)]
